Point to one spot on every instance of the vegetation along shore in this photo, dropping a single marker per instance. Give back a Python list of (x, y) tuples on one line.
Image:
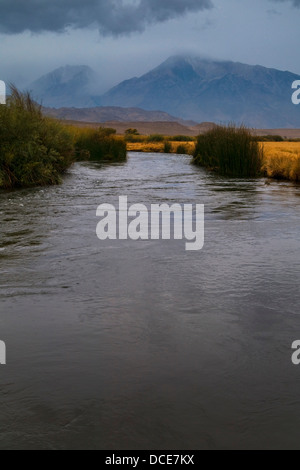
[(36, 150)]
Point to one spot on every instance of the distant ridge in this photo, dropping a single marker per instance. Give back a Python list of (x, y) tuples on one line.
[(104, 114), (174, 128)]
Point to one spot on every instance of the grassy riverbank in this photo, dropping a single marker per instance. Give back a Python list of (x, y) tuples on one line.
[(282, 160), (36, 150), (98, 144), (277, 160)]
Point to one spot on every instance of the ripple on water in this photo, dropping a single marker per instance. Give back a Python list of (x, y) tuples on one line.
[(140, 344)]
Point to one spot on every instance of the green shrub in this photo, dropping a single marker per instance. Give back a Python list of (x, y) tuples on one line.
[(133, 138), (231, 151), (156, 138), (131, 132), (34, 150), (167, 147), (182, 138), (182, 150), (270, 138), (107, 131), (95, 145)]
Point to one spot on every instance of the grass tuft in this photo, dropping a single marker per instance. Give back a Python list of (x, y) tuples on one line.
[(230, 151), (34, 150)]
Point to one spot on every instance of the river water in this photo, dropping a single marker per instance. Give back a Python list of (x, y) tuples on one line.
[(143, 345)]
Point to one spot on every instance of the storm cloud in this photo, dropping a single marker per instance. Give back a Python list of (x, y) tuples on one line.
[(112, 17), (296, 3)]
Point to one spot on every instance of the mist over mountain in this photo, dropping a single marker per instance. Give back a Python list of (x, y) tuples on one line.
[(187, 87), (65, 87), (205, 90)]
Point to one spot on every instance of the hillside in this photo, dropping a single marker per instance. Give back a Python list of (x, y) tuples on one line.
[(204, 90), (104, 114)]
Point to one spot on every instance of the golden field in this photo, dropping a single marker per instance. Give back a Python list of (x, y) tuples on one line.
[(282, 160), (157, 147)]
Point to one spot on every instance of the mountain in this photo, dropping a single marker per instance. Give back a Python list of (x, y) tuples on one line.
[(106, 114), (66, 86), (193, 89), (206, 90)]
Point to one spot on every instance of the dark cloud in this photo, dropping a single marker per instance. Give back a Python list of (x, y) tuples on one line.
[(110, 16), (296, 3)]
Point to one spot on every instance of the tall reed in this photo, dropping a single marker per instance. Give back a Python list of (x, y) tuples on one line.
[(98, 144), (230, 151)]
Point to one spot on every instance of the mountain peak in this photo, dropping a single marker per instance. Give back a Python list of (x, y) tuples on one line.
[(209, 90), (69, 72), (65, 86)]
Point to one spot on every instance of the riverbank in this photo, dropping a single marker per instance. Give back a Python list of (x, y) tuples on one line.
[(36, 150), (159, 147), (281, 159)]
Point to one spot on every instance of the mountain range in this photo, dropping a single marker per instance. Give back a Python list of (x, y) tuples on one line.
[(190, 88)]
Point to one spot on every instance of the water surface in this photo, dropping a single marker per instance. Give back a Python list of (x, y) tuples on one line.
[(142, 345)]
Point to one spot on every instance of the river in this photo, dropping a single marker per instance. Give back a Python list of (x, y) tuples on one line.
[(143, 345)]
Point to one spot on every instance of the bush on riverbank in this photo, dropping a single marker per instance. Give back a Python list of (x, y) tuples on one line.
[(133, 138), (182, 150), (99, 144), (167, 147), (182, 138), (156, 138), (34, 150), (230, 151)]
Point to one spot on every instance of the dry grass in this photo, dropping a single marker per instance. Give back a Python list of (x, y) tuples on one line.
[(154, 147), (282, 160)]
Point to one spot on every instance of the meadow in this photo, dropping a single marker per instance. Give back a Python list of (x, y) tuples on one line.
[(167, 146), (282, 160)]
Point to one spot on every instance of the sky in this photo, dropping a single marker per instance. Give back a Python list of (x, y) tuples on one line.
[(120, 39)]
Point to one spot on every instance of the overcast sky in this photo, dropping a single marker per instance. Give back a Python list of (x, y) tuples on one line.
[(125, 38)]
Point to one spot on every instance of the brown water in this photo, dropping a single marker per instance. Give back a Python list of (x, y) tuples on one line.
[(142, 345)]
